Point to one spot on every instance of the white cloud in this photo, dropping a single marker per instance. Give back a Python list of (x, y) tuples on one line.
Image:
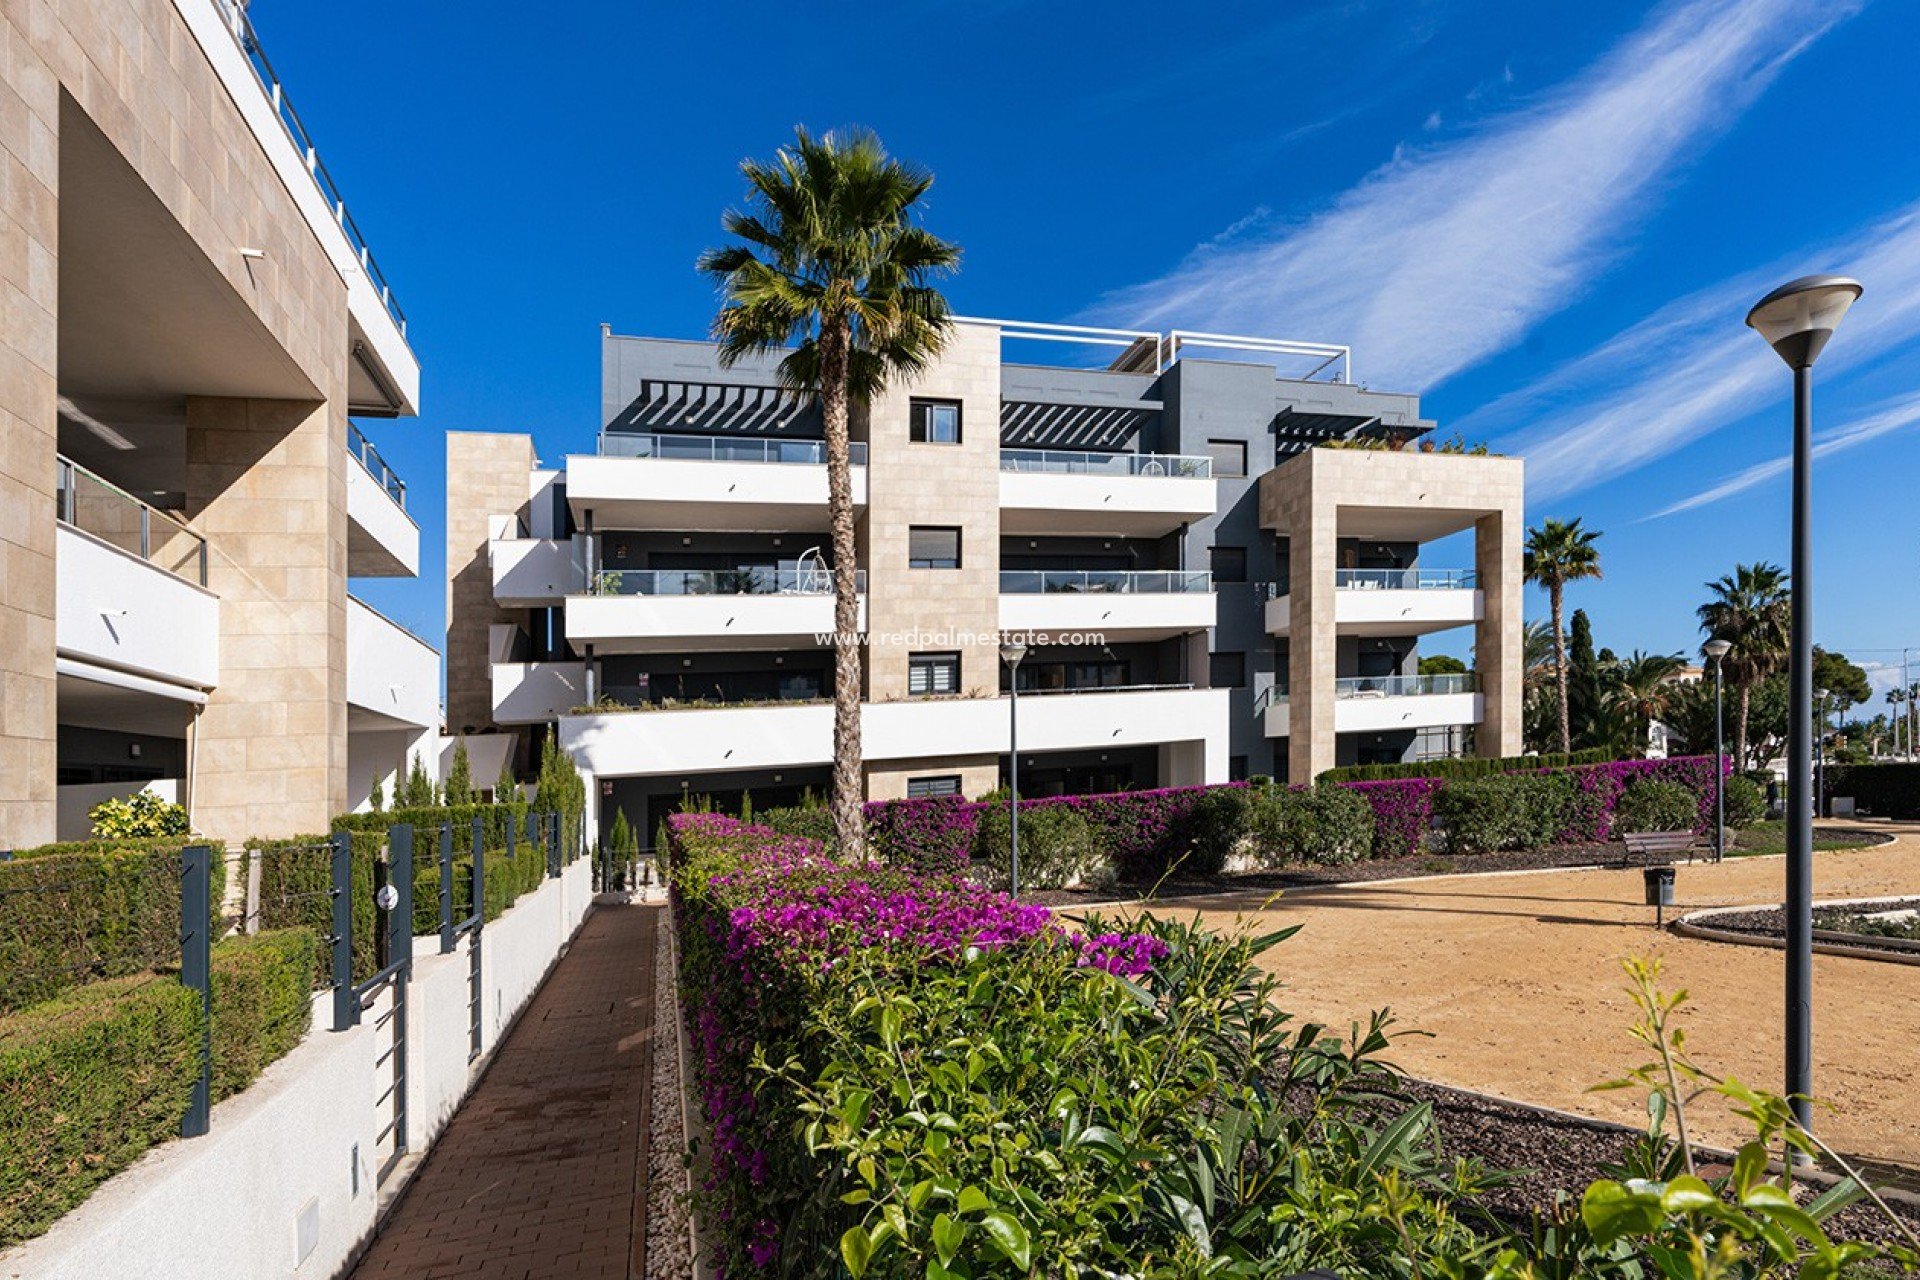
[(1693, 367), (1889, 419), (1444, 257)]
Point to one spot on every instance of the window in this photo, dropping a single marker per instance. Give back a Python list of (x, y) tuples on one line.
[(1229, 458), (1229, 564), (933, 673), (946, 784), (934, 421), (1236, 768), (932, 547), (1227, 670)]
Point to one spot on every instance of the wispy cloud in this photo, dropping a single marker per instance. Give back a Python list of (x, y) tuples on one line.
[(1898, 416), (1692, 368), (1445, 256)]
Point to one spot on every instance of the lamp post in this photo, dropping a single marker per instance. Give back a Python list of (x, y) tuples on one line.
[(1717, 650), (1797, 320), (1011, 653)]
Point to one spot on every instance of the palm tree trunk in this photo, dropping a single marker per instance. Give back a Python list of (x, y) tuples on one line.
[(1740, 727), (1560, 668), (849, 787)]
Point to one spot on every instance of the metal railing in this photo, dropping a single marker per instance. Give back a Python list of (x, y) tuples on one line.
[(111, 514), (1071, 462), (1105, 582), (676, 447), (1403, 686), (241, 28), (1404, 579), (719, 582), (1027, 692), (369, 457)]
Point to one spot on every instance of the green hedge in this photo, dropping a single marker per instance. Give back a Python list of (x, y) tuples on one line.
[(75, 913), (1325, 826), (93, 1078), (1056, 847), (1466, 767), (1882, 790), (1517, 811), (1656, 805)]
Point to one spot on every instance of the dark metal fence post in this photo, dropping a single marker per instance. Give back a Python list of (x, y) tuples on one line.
[(346, 1005), (446, 888), (400, 947), (553, 844), (474, 970), (196, 973)]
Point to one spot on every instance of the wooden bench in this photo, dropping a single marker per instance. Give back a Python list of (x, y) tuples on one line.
[(1648, 845)]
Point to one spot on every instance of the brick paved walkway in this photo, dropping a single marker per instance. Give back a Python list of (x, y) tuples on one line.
[(541, 1174)]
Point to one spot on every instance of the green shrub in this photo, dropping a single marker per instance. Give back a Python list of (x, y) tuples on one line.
[(813, 821), (1883, 790), (1056, 847), (75, 913), (1553, 804), (1327, 826), (1212, 829), (1655, 805), (1484, 815), (1465, 766), (1746, 802), (140, 816), (89, 1081), (262, 1003)]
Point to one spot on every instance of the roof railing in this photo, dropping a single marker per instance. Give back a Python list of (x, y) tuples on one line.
[(1095, 463), (1137, 345), (690, 447)]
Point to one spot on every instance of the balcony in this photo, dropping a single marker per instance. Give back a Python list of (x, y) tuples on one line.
[(1057, 491), (383, 373), (1390, 602), (537, 692), (534, 573), (1379, 704), (707, 483), (130, 591), (1117, 605), (770, 737), (393, 676), (382, 539), (682, 610)]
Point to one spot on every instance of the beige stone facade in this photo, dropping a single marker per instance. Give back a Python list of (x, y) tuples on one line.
[(487, 479), (117, 100), (978, 775)]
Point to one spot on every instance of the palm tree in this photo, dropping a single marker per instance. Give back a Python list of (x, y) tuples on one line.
[(1749, 610), (833, 265), (1641, 685), (1559, 552)]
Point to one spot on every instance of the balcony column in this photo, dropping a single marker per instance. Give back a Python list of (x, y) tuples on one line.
[(1312, 524), (267, 485), (1499, 639)]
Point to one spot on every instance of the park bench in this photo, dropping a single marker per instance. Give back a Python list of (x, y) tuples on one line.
[(1649, 845)]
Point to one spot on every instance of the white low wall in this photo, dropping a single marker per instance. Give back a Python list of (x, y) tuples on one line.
[(283, 1184)]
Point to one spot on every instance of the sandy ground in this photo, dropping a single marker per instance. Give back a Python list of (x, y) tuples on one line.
[(1517, 978)]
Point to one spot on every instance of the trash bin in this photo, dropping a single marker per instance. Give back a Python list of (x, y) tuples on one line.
[(1659, 886)]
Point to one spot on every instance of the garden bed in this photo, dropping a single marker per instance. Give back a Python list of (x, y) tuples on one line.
[(1846, 924)]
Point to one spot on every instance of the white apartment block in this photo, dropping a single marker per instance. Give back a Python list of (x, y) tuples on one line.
[(193, 324), (1207, 595)]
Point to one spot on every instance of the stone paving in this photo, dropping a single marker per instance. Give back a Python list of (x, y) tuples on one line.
[(542, 1173)]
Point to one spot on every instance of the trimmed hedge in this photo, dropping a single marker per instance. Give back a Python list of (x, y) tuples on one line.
[(1465, 766), (1653, 804), (1746, 802), (1882, 790), (931, 834), (75, 913), (1326, 826), (1056, 847), (93, 1078), (813, 821)]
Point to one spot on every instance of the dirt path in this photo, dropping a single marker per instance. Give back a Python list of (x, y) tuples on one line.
[(1518, 979)]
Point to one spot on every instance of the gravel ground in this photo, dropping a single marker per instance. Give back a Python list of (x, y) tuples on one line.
[(1772, 923), (669, 1247), (1566, 1153)]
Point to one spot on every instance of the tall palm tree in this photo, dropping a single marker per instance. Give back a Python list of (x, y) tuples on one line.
[(1749, 609), (1559, 552), (834, 264), (1641, 685)]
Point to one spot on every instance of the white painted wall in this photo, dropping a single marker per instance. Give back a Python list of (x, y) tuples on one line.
[(385, 756), (115, 609), (1389, 611), (72, 802), (1038, 501), (1119, 614), (391, 671), (625, 623), (531, 573), (385, 521), (1416, 711), (535, 692), (225, 1206)]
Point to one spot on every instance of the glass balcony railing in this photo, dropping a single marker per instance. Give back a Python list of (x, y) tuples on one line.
[(720, 448), (362, 448), (111, 514), (1020, 582), (719, 582), (1403, 686), (1071, 462), (1403, 579)]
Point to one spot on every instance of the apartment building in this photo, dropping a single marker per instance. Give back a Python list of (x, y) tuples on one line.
[(1206, 594), (195, 328)]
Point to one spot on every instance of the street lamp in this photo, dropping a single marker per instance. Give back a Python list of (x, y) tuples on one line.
[(1717, 650), (1011, 653), (1797, 319)]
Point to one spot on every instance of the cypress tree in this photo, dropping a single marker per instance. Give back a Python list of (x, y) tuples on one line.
[(459, 787), (1583, 682)]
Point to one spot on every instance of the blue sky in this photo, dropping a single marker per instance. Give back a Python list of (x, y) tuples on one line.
[(1547, 219)]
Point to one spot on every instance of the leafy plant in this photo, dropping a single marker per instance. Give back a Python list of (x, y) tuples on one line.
[(1746, 802), (1056, 846), (418, 792), (458, 787), (143, 815), (1327, 826), (1652, 804)]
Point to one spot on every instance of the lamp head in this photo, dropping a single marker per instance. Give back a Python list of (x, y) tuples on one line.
[(1797, 318), (1717, 648), (1012, 652)]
